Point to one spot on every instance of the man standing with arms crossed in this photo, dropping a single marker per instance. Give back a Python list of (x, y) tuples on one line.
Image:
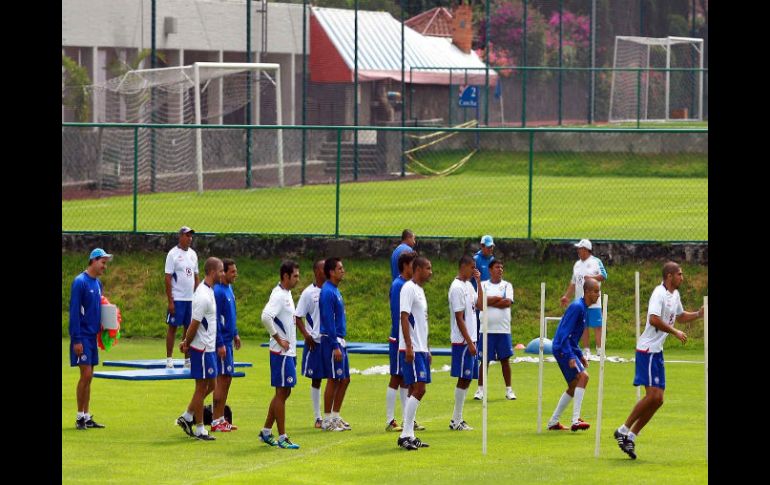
[(200, 341), (307, 308), (181, 281), (413, 351), (463, 301), (664, 309), (227, 333)]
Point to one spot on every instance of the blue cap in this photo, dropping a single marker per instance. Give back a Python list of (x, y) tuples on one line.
[(487, 241), (99, 253)]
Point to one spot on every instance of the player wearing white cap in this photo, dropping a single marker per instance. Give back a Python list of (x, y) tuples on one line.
[(181, 282)]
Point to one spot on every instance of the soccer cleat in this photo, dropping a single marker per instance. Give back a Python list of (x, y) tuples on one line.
[(187, 426), (343, 424), (205, 437), (579, 425), (461, 426), (287, 445), (419, 443), (269, 439), (629, 447), (556, 427), (510, 395), (93, 424), (169, 364), (393, 426), (80, 423), (318, 423), (232, 426), (619, 437), (331, 425), (223, 427), (418, 426), (406, 443), (479, 395), (187, 364)]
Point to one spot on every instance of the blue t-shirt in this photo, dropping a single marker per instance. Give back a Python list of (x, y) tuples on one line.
[(394, 272), (482, 264), (85, 307), (395, 306), (570, 330), (226, 316), (332, 310)]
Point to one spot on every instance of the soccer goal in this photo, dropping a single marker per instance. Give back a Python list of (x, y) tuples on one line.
[(657, 79), (179, 158)]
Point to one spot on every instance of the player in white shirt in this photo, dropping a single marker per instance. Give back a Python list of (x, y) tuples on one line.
[(200, 342), (587, 266), (413, 351), (307, 308), (499, 299), (181, 281), (278, 319), (463, 301), (664, 309)]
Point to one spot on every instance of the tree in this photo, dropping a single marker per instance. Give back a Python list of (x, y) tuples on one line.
[(75, 93)]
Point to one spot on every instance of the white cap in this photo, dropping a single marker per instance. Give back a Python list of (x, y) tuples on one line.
[(584, 243), (487, 241)]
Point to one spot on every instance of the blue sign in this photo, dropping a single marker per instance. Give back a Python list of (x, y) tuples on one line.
[(469, 97)]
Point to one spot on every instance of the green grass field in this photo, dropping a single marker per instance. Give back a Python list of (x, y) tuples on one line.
[(141, 443)]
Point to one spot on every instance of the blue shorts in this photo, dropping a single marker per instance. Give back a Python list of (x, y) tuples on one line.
[(332, 368), (500, 346), (182, 314), (203, 365), (418, 370), (312, 366), (283, 370), (90, 355), (568, 372), (226, 366), (594, 317), (650, 370), (396, 368), (464, 365)]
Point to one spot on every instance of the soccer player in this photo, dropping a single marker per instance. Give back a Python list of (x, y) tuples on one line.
[(499, 300), (333, 346), (85, 322), (396, 375), (181, 281), (664, 309), (484, 257), (307, 308), (200, 341), (227, 333), (587, 266), (413, 352), (571, 361), (408, 242), (463, 301), (278, 319)]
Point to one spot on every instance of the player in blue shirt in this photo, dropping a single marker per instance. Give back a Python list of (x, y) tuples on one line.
[(85, 323), (483, 257), (333, 346), (407, 244), (566, 350), (227, 333)]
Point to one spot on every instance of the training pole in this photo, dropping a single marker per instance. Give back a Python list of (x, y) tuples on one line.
[(602, 357), (540, 364), (636, 298), (706, 360), (484, 360)]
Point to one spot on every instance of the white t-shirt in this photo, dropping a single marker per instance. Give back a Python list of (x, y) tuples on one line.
[(307, 308), (463, 297), (590, 267), (413, 301), (499, 318), (280, 309), (204, 310), (665, 305), (182, 266)]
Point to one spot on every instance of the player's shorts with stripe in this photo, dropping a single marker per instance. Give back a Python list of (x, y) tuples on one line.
[(332, 368), (283, 370), (182, 314), (226, 366), (90, 355), (416, 371), (568, 372), (395, 361), (650, 370), (464, 365), (594, 317), (312, 365), (500, 346), (203, 365)]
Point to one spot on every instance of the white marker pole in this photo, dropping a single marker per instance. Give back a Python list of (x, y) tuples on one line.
[(636, 297), (706, 360), (484, 324), (540, 364), (602, 357)]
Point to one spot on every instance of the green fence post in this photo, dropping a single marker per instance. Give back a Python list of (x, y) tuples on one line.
[(304, 88), (136, 171), (531, 154), (337, 210), (639, 97), (524, 64), (561, 63)]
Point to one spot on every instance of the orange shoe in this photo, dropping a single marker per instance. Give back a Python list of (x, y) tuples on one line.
[(556, 427), (223, 427), (580, 425)]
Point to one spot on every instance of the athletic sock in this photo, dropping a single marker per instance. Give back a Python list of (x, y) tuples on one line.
[(390, 404), (624, 429), (187, 415), (411, 411), (404, 394), (315, 396), (631, 436), (457, 414), (577, 403), (563, 402)]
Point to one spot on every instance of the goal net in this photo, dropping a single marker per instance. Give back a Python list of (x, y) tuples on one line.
[(657, 79)]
